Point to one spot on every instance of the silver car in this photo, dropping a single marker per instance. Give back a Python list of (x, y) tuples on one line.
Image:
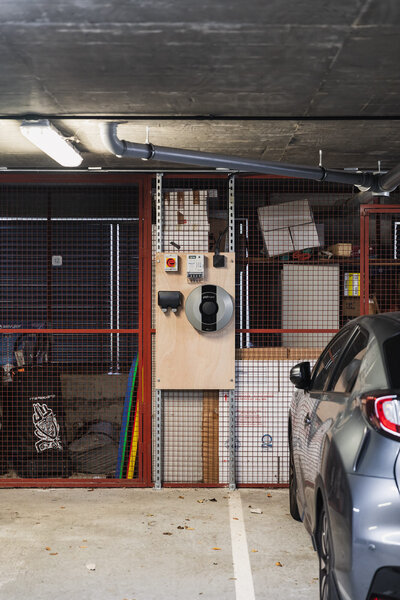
[(344, 441)]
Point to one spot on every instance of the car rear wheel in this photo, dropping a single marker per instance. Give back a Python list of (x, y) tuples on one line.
[(327, 588), (294, 509)]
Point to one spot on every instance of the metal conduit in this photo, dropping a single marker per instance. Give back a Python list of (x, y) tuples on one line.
[(367, 180)]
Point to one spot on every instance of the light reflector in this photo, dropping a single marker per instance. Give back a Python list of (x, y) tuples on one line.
[(46, 137), (388, 412)]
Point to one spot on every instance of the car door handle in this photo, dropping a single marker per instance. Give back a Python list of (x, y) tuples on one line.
[(307, 419)]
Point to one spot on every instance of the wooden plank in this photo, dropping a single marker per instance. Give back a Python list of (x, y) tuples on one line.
[(278, 353), (210, 436), (186, 358)]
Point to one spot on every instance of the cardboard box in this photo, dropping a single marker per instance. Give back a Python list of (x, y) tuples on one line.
[(258, 412), (278, 241), (351, 306), (288, 214), (352, 284), (288, 227), (263, 396), (304, 236), (340, 249)]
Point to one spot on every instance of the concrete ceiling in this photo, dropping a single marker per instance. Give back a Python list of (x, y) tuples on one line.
[(274, 79)]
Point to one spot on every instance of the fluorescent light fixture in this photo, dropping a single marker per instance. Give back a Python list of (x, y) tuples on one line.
[(51, 141)]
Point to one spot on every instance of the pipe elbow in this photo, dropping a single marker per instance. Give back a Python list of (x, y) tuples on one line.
[(110, 139)]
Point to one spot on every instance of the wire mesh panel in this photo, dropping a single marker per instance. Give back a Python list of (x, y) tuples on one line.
[(296, 243), (70, 354), (378, 283), (299, 242), (297, 246), (194, 220)]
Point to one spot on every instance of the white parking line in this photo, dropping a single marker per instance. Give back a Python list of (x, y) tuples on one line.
[(240, 553)]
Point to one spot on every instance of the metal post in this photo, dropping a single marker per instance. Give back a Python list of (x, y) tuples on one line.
[(232, 441), (232, 403), (159, 432), (159, 394), (231, 213), (159, 212)]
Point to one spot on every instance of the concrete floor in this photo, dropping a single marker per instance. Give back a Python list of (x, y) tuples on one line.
[(152, 545)]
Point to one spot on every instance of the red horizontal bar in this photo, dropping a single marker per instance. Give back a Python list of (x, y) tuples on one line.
[(70, 483), (380, 208), (278, 330), (225, 485), (90, 178), (120, 483), (68, 330), (287, 330)]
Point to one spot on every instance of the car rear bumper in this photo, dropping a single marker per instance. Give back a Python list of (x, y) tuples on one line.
[(375, 535)]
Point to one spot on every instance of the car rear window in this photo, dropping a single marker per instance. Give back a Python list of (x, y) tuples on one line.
[(391, 349)]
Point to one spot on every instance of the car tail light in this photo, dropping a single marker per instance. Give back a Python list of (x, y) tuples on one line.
[(383, 412)]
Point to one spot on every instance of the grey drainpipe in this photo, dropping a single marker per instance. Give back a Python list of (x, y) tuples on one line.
[(390, 180), (121, 148)]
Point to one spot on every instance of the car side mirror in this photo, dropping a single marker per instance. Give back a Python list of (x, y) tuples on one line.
[(300, 375)]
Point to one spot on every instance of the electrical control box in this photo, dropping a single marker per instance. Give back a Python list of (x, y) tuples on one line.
[(195, 267), (171, 262)]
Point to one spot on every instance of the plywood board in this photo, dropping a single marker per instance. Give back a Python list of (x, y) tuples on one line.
[(187, 359)]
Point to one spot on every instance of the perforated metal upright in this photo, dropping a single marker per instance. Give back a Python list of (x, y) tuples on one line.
[(232, 403), (159, 394), (159, 423)]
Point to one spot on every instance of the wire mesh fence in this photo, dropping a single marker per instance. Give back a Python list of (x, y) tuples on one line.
[(297, 246), (74, 300), (69, 314)]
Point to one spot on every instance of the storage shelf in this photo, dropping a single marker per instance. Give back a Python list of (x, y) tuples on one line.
[(338, 260), (315, 261)]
